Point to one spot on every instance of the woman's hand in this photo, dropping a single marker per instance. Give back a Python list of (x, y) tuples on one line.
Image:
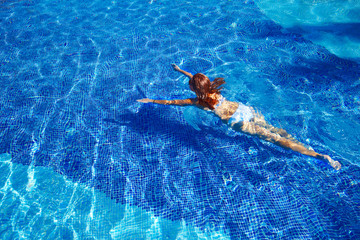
[(176, 68), (145, 100)]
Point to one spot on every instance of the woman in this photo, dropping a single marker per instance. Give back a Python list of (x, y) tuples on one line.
[(239, 116)]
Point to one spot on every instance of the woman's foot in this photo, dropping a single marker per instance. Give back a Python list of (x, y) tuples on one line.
[(335, 164)]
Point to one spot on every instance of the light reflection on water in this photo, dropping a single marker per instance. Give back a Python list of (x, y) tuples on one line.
[(71, 72), (332, 24), (52, 207)]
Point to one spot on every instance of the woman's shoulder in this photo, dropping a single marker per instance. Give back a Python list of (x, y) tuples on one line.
[(216, 96)]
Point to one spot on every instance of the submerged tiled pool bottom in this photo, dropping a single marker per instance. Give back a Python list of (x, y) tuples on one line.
[(81, 159), (40, 204)]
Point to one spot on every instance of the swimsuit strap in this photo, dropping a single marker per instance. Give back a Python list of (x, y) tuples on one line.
[(221, 100)]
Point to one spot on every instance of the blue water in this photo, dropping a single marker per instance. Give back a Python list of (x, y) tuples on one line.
[(332, 24), (82, 159)]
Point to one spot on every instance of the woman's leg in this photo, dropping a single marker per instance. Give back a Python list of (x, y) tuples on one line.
[(298, 147), (259, 119), (275, 137)]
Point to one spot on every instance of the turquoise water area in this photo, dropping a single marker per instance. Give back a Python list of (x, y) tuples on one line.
[(40, 204), (82, 159), (332, 24)]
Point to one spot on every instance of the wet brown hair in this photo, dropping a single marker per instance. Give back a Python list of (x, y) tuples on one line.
[(202, 86)]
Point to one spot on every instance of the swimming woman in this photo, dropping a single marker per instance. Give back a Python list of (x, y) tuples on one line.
[(240, 117)]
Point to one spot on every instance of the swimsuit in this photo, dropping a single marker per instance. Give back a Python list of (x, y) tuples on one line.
[(242, 113), (221, 100)]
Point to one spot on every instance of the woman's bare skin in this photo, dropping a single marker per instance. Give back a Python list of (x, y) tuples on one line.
[(256, 126)]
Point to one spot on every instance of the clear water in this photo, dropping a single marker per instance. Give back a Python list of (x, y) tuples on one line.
[(332, 24), (40, 204), (81, 159)]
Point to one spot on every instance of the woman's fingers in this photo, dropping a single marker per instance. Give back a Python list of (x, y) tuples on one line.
[(144, 100), (175, 66)]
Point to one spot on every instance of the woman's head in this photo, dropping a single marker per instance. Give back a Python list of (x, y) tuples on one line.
[(202, 86)]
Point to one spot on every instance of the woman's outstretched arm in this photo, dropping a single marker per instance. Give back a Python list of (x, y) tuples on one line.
[(176, 68), (178, 102)]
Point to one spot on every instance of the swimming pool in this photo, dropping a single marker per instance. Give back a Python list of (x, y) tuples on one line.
[(80, 158)]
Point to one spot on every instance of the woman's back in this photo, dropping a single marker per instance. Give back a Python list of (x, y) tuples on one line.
[(224, 108)]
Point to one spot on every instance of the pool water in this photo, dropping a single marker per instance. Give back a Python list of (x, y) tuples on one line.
[(56, 208), (332, 24), (81, 159)]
